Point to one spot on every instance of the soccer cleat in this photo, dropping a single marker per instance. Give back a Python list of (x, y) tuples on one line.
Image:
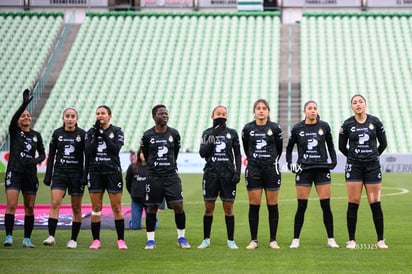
[(50, 241), (252, 245), (332, 243), (150, 244), (351, 244), (27, 243), (95, 244), (8, 241), (71, 244), (182, 242), (232, 244), (121, 244), (382, 245), (274, 245), (205, 244), (295, 243)]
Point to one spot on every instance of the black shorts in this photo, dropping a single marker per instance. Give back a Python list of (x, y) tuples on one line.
[(366, 172), (263, 177), (71, 183), (213, 186), (98, 183), (318, 176), (26, 183), (168, 187)]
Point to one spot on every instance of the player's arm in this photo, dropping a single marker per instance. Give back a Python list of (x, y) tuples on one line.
[(331, 149), (129, 179), (245, 141), (289, 147), (206, 145), (27, 97), (113, 145), (279, 142), (144, 145), (177, 145), (236, 152), (343, 141), (50, 161), (40, 150), (90, 141), (383, 142)]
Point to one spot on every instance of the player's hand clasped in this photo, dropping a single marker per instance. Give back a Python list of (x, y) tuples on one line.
[(294, 167)]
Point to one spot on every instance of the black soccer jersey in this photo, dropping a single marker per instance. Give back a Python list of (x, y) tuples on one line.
[(311, 141), (102, 150), (221, 152), (262, 144), (362, 139), (23, 147), (67, 148), (160, 150)]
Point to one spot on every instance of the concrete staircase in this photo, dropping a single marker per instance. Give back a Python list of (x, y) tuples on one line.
[(289, 70), (57, 67)]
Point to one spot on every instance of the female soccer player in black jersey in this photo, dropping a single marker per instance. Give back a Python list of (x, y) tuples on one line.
[(160, 145), (103, 144), (358, 141), (21, 174), (64, 171), (262, 141), (311, 137), (221, 149)]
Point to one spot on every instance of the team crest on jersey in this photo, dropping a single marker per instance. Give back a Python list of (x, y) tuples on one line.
[(171, 138), (111, 135), (78, 138), (228, 136), (371, 126), (35, 138), (320, 132), (270, 133)]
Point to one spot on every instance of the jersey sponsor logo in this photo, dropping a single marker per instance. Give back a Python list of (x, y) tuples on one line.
[(363, 138), (161, 151), (353, 129), (220, 146), (101, 146), (152, 140), (119, 184), (328, 175), (233, 193), (302, 133), (68, 149), (260, 144), (312, 143)]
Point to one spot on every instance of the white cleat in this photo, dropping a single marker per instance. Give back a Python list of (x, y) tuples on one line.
[(295, 243), (71, 244), (351, 244), (252, 245), (50, 241), (382, 245), (332, 243), (274, 245)]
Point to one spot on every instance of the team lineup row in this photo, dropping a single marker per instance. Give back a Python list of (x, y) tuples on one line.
[(78, 158)]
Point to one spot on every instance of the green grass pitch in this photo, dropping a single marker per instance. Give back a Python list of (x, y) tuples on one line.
[(313, 256)]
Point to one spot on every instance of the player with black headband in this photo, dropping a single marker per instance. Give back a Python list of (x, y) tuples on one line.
[(311, 137), (103, 144), (160, 145), (221, 149), (21, 173), (359, 136), (262, 141), (64, 171)]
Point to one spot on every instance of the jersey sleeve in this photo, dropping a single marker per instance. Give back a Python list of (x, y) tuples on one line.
[(343, 140), (381, 135), (236, 152), (291, 143)]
